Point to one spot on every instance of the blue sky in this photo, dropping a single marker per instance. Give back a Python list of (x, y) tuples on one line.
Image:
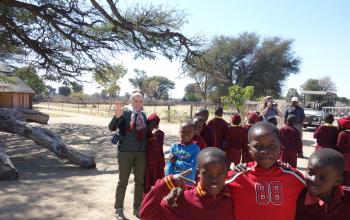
[(320, 30)]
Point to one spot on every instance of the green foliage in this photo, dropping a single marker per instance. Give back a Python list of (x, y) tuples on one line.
[(154, 87), (292, 92), (343, 100), (322, 84), (245, 60), (70, 38), (76, 87), (64, 90), (237, 96), (51, 91), (107, 76), (192, 93), (32, 79)]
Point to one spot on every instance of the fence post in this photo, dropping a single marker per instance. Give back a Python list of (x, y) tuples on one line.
[(78, 105), (191, 112), (168, 113)]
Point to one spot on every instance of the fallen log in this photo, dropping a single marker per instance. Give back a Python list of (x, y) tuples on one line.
[(7, 170), (42, 136), (28, 115)]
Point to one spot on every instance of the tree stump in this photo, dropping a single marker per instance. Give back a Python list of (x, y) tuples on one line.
[(7, 170), (14, 121)]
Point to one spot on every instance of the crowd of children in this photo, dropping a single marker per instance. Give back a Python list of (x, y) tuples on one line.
[(272, 189)]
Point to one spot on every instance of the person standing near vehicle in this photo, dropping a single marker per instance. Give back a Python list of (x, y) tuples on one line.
[(298, 111)]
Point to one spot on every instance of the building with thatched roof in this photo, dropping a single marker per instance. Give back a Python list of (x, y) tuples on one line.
[(14, 93)]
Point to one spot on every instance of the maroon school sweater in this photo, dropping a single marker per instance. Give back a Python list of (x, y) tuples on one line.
[(310, 207), (208, 135), (326, 136), (343, 145), (195, 203), (199, 141), (291, 140), (220, 128)]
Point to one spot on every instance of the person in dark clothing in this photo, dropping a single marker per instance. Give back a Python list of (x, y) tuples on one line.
[(220, 126)]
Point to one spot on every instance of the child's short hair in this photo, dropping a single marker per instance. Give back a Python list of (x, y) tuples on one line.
[(219, 110), (211, 153), (187, 123), (328, 118), (236, 119), (267, 127), (330, 157), (272, 120), (291, 119)]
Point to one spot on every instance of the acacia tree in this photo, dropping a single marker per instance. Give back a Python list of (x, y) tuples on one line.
[(154, 87), (69, 37), (108, 77), (246, 60), (32, 79)]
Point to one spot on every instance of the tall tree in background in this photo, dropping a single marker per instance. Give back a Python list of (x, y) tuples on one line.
[(138, 82), (246, 61), (76, 87), (192, 93), (32, 79), (154, 87), (64, 90), (322, 84), (292, 92), (69, 37), (108, 77), (158, 87)]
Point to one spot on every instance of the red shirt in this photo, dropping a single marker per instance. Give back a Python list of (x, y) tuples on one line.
[(220, 128), (236, 138), (246, 156), (199, 141), (310, 207), (194, 204), (266, 194), (343, 145), (155, 143), (291, 140), (208, 135), (326, 136)]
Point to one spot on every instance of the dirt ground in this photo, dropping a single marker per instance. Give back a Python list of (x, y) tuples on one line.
[(50, 188)]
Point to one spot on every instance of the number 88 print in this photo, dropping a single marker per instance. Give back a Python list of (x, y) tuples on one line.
[(267, 192)]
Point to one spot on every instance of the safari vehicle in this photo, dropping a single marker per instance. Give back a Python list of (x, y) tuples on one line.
[(313, 110)]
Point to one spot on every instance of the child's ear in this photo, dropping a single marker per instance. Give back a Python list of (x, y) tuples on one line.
[(340, 180)]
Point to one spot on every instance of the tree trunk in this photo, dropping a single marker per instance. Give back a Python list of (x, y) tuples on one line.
[(40, 135), (7, 170)]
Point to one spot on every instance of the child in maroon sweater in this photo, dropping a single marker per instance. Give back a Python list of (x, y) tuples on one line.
[(197, 138), (324, 198), (236, 140), (208, 134), (291, 146), (210, 200), (220, 126), (253, 118), (154, 155), (326, 134), (343, 146)]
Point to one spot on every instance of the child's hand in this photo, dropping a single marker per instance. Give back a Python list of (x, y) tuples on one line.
[(118, 105), (284, 165), (242, 167), (172, 158), (173, 196)]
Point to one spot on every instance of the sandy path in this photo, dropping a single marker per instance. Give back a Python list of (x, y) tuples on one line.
[(50, 188)]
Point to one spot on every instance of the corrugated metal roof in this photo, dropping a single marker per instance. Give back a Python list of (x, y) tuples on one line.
[(18, 86)]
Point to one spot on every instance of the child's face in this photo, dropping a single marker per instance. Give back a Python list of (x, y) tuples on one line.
[(212, 175), (198, 126), (152, 125), (264, 148), (321, 179), (186, 133)]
